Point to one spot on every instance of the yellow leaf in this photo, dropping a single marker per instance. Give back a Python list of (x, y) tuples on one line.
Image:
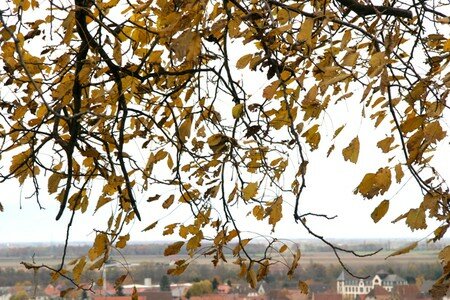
[(241, 245), (380, 211), (398, 173), (217, 142), (243, 61), (169, 229), (444, 255), (237, 110), (385, 144), (102, 201), (416, 219), (251, 278), (404, 250), (336, 133), (150, 227), (433, 132), (412, 123), (282, 249), (184, 131), (351, 153), (194, 242), (275, 211), (270, 90), (377, 62), (53, 182), (374, 184), (312, 136), (168, 202), (99, 247), (123, 241), (134, 294), (303, 287), (334, 79), (305, 33), (78, 269), (258, 212), (346, 38), (446, 46), (178, 270), (250, 191), (118, 282), (69, 25), (173, 248), (417, 91), (350, 58)]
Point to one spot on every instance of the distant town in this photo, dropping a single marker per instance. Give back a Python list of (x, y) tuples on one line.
[(143, 276)]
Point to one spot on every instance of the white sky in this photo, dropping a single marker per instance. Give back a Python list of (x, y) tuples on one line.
[(330, 184)]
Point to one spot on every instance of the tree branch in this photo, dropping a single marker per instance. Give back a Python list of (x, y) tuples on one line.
[(366, 10)]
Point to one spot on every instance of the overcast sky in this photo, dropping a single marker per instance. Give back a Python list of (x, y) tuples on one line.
[(330, 185)]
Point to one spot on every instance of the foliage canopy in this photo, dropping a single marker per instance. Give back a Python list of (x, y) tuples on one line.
[(92, 83)]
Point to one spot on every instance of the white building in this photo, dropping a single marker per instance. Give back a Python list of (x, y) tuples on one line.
[(350, 287)]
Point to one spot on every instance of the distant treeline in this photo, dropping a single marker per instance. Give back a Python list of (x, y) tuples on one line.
[(324, 275), (158, 249)]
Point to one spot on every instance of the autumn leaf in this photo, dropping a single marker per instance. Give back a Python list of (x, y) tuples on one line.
[(150, 227), (237, 110), (168, 202), (351, 152), (53, 182), (119, 280), (404, 250), (250, 191), (78, 269), (303, 287), (169, 229), (123, 239), (243, 61), (185, 129), (416, 219), (312, 136), (134, 294), (380, 211), (100, 246), (102, 201), (173, 248), (385, 144), (251, 278), (444, 255), (374, 184), (275, 211), (398, 173)]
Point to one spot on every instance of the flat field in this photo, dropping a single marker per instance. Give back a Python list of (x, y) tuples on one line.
[(324, 258)]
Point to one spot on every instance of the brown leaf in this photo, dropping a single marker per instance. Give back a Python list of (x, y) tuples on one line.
[(398, 173), (173, 248), (78, 269), (123, 241), (403, 250), (374, 184), (444, 255), (351, 152), (150, 227), (303, 287), (380, 211), (385, 144), (119, 280), (168, 202), (243, 61), (416, 219), (250, 191)]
